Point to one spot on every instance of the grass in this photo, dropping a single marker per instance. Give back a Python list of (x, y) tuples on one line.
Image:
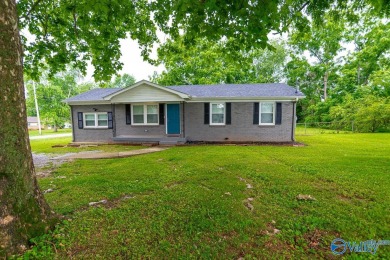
[(46, 146), (302, 130), (49, 132), (191, 202)]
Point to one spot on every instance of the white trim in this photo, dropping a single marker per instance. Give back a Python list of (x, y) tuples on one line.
[(166, 117), (193, 100), (273, 113), (96, 119), (145, 105), (211, 113), (139, 83), (93, 102)]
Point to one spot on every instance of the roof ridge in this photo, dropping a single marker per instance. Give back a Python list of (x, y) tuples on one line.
[(227, 84)]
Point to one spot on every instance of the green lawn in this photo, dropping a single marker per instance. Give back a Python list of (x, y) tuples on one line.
[(308, 130), (46, 146), (191, 201), (49, 132)]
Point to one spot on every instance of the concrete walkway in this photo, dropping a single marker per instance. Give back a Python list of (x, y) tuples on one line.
[(36, 137), (105, 155)]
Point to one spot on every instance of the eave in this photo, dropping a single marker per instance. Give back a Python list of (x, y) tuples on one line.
[(244, 99), (88, 102)]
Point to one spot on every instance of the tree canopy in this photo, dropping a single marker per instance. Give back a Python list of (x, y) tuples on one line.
[(122, 81), (351, 64), (78, 31), (205, 62)]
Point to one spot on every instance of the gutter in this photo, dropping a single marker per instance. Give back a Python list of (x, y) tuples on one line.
[(113, 111), (243, 99), (89, 102), (195, 100), (71, 118), (184, 120)]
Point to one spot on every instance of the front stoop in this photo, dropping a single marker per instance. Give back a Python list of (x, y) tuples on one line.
[(168, 143), (160, 140)]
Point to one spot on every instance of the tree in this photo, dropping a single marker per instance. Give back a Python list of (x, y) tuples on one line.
[(323, 43), (51, 91), (122, 81), (250, 21), (369, 64), (79, 31), (368, 114), (270, 63), (203, 63), (331, 72), (54, 111), (24, 212), (206, 62)]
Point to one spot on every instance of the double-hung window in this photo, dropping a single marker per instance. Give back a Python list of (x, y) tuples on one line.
[(96, 120), (217, 115), (145, 114), (267, 113)]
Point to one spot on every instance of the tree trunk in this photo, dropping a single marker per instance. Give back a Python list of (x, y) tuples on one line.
[(23, 210), (358, 74), (326, 85)]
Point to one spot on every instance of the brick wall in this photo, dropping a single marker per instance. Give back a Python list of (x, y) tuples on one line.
[(90, 134), (241, 128)]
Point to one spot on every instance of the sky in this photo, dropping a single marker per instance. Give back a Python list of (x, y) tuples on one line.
[(133, 63), (131, 58)]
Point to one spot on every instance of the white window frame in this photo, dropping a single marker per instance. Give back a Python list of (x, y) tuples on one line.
[(211, 113), (145, 114), (96, 119), (273, 113)]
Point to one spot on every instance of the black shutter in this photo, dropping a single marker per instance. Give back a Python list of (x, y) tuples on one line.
[(228, 113), (256, 113), (278, 119), (161, 114), (110, 123), (128, 114), (80, 119), (206, 113)]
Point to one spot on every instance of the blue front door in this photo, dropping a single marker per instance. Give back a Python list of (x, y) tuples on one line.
[(173, 119)]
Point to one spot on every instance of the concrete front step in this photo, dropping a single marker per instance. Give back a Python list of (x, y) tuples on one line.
[(168, 143), (161, 140)]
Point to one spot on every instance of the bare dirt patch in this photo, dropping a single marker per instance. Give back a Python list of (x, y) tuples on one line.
[(45, 163)]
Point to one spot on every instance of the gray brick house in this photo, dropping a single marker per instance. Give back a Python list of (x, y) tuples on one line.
[(147, 112)]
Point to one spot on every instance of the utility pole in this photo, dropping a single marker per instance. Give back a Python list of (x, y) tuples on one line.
[(37, 109)]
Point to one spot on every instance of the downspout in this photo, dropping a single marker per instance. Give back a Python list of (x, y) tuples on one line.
[(113, 120), (73, 124), (294, 121), (183, 124)]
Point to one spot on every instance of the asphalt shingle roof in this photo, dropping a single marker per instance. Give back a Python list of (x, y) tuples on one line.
[(238, 90), (208, 91), (94, 94)]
